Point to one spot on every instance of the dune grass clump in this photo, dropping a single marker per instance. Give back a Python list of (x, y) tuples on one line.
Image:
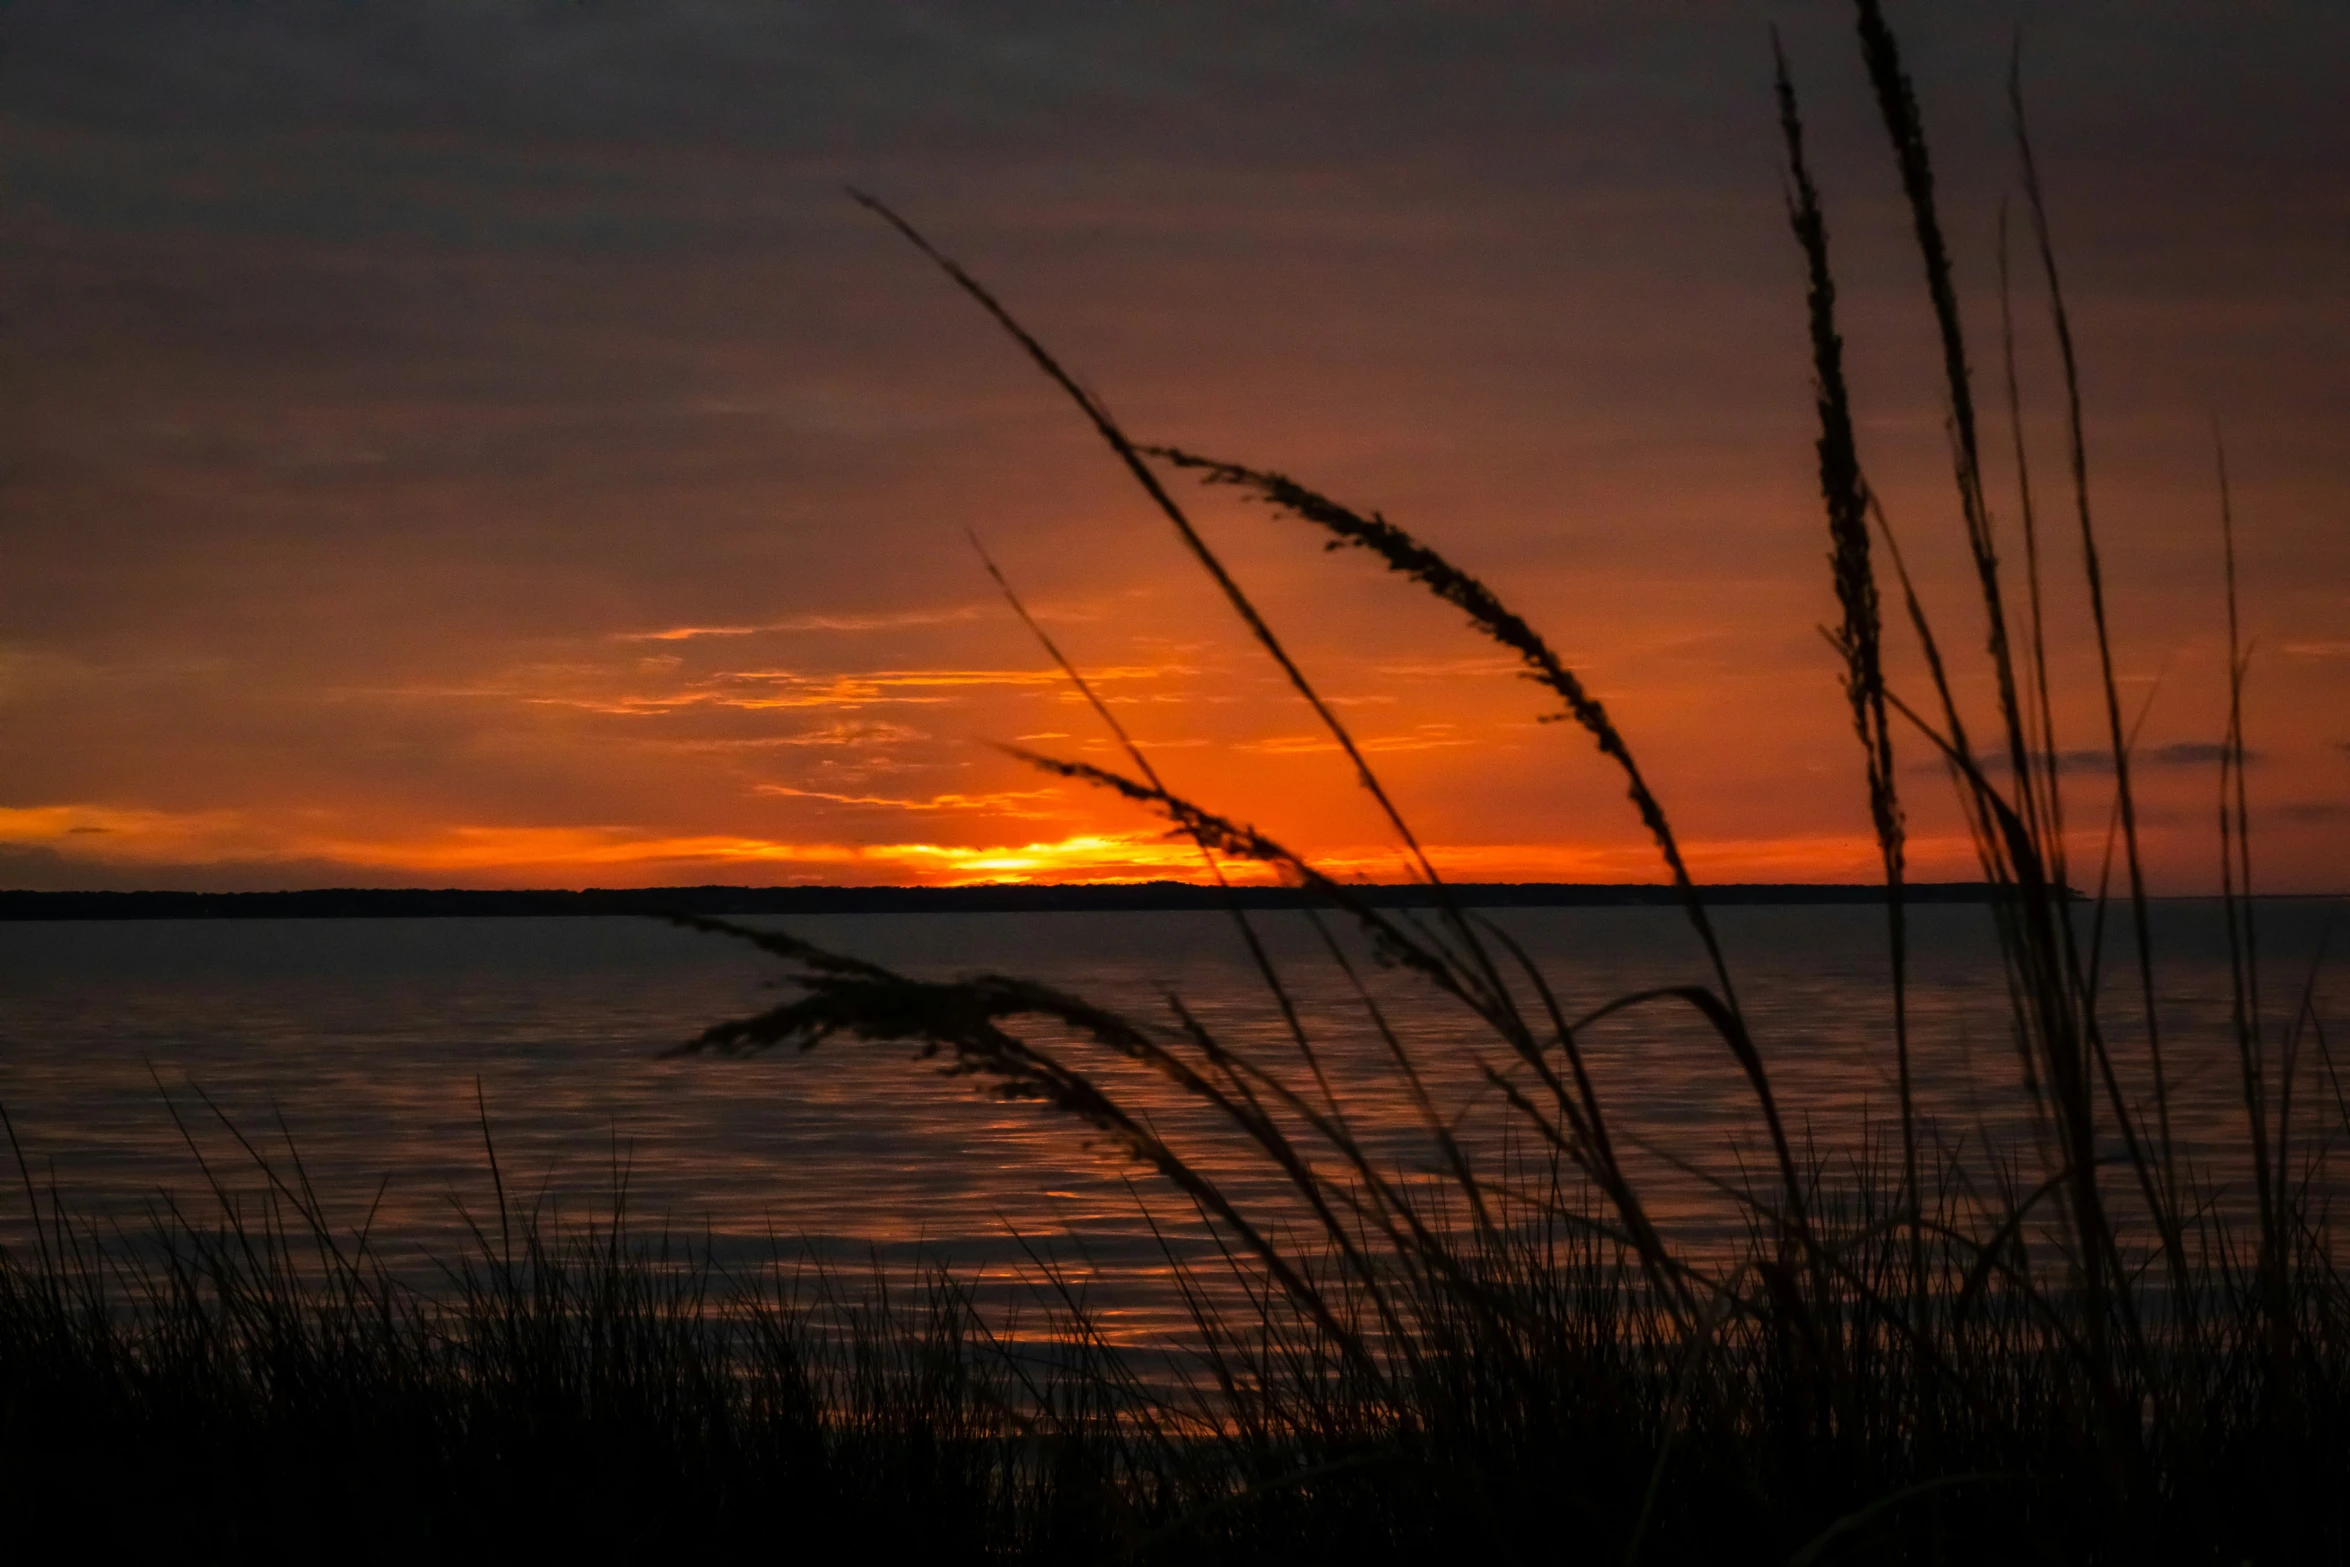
[(2082, 1346), (251, 1383)]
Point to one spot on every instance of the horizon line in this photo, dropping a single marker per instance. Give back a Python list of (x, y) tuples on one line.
[(1160, 895)]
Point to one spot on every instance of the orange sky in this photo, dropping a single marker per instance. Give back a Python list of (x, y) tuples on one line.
[(493, 453)]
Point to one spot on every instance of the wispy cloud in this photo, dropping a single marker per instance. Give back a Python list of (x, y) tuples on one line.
[(864, 736), (1009, 802), (1445, 668), (762, 690), (841, 694), (887, 621), (1427, 737), (127, 832)]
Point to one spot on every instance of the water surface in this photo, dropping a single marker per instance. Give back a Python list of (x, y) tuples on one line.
[(376, 1047)]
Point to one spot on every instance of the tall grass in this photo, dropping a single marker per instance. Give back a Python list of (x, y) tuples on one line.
[(2069, 1347), (248, 1381), (1896, 1324)]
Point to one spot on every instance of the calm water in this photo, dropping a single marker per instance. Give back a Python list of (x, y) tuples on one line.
[(367, 1042)]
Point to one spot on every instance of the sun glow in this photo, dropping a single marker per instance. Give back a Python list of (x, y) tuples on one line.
[(580, 856)]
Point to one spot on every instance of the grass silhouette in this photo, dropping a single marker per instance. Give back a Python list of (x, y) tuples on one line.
[(2068, 1349)]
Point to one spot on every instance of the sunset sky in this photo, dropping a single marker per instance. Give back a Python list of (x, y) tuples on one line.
[(451, 444)]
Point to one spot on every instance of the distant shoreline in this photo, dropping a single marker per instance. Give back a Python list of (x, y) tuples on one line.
[(440, 903)]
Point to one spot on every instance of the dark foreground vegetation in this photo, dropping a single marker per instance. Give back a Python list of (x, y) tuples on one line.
[(2093, 1345)]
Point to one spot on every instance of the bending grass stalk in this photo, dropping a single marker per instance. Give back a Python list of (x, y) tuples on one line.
[(1129, 455), (1239, 841), (1238, 1072), (1258, 956), (1904, 127), (2158, 1177), (1980, 817), (2060, 321), (2098, 1247), (1861, 637), (2092, 566), (2044, 953), (1242, 842), (2040, 712), (1410, 557), (1407, 556), (2235, 841), (870, 1002), (2029, 912), (849, 996), (1588, 1121)]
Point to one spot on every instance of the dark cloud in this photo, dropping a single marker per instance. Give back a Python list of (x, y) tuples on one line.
[(2092, 760), (37, 868), (530, 106), (2192, 753), (1009, 79)]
